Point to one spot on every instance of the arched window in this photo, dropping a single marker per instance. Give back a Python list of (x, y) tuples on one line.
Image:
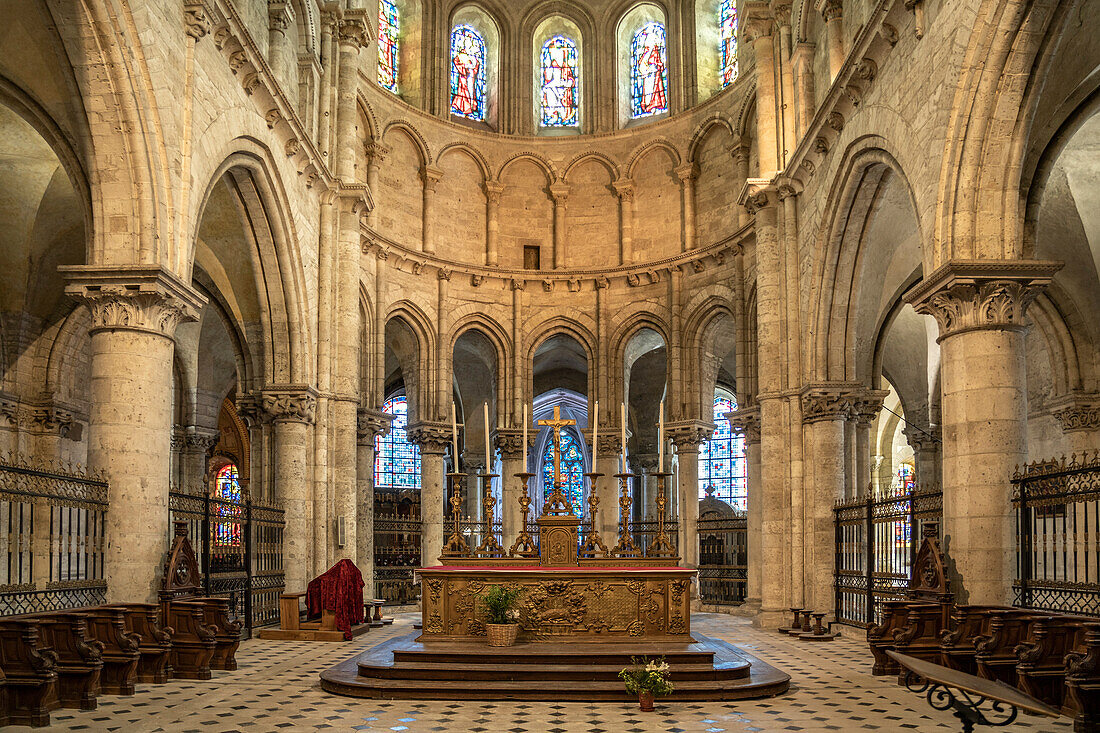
[(396, 460), (722, 459), (467, 73), (572, 470), (648, 71), (560, 76), (388, 30), (227, 503), (727, 40)]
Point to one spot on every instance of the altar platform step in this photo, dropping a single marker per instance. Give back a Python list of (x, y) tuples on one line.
[(709, 669)]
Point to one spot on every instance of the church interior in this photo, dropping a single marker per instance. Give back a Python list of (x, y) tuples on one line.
[(757, 336)]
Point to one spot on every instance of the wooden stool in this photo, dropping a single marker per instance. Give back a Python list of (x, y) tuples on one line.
[(376, 618), (794, 624), (819, 632), (801, 626)]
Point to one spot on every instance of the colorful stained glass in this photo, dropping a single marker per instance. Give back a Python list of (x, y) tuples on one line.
[(572, 470), (648, 71), (396, 460), (467, 73), (388, 29), (559, 82), (905, 480), (722, 459), (227, 503), (727, 40)]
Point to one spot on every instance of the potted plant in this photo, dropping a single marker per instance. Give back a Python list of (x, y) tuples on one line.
[(501, 627), (648, 678)]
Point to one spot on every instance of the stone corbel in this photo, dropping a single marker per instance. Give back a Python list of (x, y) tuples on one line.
[(198, 18), (370, 424), (133, 298), (290, 403), (917, 8)]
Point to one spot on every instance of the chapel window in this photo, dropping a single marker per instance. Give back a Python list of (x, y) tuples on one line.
[(396, 460), (388, 30), (572, 470), (727, 40), (560, 75), (722, 458), (226, 507), (467, 73), (648, 71)]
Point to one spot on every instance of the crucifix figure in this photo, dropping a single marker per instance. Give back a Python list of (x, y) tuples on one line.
[(557, 503)]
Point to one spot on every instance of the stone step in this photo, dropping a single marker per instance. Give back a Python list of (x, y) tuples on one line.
[(538, 671)]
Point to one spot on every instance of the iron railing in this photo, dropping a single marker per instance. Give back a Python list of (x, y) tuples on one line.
[(396, 556), (723, 559)]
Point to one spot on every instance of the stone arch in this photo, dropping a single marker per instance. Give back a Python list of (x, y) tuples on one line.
[(580, 159), (534, 158), (475, 154), (703, 129), (589, 49), (414, 137), (484, 17), (371, 131), (414, 350), (709, 339), (498, 337), (660, 143)]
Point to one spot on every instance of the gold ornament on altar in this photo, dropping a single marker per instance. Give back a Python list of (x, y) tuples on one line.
[(557, 503)]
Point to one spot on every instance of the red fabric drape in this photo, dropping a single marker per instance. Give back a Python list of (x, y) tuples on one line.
[(338, 589)]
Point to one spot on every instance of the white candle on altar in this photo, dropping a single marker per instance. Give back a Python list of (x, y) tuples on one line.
[(485, 413), (454, 438), (523, 447), (622, 425), (661, 440), (595, 433)]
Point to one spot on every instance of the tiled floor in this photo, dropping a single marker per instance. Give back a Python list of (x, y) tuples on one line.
[(276, 689)]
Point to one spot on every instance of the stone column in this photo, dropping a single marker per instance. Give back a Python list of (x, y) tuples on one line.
[(833, 13), (624, 187), (493, 191), (1079, 417), (687, 436), (430, 175), (803, 62), (197, 444), (280, 50), (607, 488), (747, 421), (739, 150), (979, 307), (927, 458), (687, 174), (512, 454), (644, 465), (560, 192), (376, 155), (293, 409), (434, 438), (782, 11), (865, 408), (758, 29), (134, 313), (370, 424)]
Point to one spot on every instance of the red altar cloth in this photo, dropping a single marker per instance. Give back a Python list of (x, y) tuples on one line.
[(338, 589)]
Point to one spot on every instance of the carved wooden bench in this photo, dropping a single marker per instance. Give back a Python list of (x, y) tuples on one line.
[(227, 631), (957, 643), (121, 649), (79, 657), (1041, 657), (995, 654), (154, 641), (30, 674), (1082, 699), (193, 641), (895, 615)]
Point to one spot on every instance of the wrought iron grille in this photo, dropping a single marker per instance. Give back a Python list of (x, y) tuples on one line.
[(1057, 505), (875, 547), (52, 535), (396, 556), (723, 559), (644, 533)]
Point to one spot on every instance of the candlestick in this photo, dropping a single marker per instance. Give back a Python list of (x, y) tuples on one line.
[(661, 440), (523, 446), (454, 437), (622, 426), (595, 434), (485, 413)]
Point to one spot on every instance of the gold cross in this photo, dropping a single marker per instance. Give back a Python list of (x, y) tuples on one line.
[(556, 425)]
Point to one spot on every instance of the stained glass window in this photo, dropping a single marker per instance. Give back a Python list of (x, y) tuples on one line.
[(648, 71), (227, 503), (559, 82), (906, 479), (727, 40), (396, 460), (722, 459), (467, 73), (572, 470), (388, 28)]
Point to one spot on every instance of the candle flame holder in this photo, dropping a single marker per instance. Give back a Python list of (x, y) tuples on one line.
[(662, 546), (593, 542), (489, 546), (456, 544), (625, 546), (524, 546)]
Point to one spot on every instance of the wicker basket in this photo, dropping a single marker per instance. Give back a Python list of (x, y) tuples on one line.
[(501, 634)]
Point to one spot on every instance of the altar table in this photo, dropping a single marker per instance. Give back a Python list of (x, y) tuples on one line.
[(561, 604)]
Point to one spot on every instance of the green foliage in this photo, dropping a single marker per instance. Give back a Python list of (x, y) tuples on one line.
[(500, 604), (647, 675)]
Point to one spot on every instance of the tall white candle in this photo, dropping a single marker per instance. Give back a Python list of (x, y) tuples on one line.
[(485, 413), (622, 436), (523, 447), (454, 437), (661, 440), (595, 434)]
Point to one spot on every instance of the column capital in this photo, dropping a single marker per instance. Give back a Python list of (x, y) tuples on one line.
[(758, 194), (624, 188), (969, 295), (509, 441), (922, 439), (376, 152), (430, 175), (279, 15), (433, 437), (197, 18), (687, 172), (1078, 412), (747, 421), (289, 403), (739, 150), (688, 435), (354, 30), (757, 21), (840, 401), (829, 9), (866, 406), (559, 191), (200, 440), (370, 424), (133, 298), (781, 9), (493, 191)]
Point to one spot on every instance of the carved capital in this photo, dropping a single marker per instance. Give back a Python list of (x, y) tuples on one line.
[(830, 9), (922, 440), (430, 175), (353, 30), (197, 18), (560, 192), (687, 172), (133, 298), (688, 435), (279, 14), (747, 422), (250, 410), (200, 440), (757, 26), (624, 187), (757, 195), (840, 401), (289, 404), (968, 295), (509, 442), (370, 424), (493, 191), (433, 437), (376, 152), (1078, 412), (781, 9), (740, 150), (866, 406)]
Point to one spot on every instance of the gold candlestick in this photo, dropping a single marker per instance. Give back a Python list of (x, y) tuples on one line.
[(661, 546), (594, 541), (456, 545), (489, 546), (524, 546), (625, 546)]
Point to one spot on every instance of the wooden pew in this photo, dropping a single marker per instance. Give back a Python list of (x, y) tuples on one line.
[(920, 637), (895, 615), (121, 649), (995, 655), (30, 674), (193, 642), (1041, 657), (154, 641), (227, 631), (968, 624), (79, 657), (1082, 699)]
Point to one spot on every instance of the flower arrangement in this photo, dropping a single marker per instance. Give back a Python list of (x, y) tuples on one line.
[(500, 604), (648, 678)]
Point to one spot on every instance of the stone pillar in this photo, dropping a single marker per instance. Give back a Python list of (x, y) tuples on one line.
[(376, 155), (134, 313), (370, 424), (782, 11), (747, 421), (434, 438), (280, 49), (493, 192), (624, 187), (803, 62), (644, 465), (687, 174), (197, 444), (927, 456), (1079, 417), (979, 307), (512, 455), (293, 409), (739, 150), (861, 482), (560, 192), (607, 488), (430, 175), (833, 13), (687, 436), (758, 29)]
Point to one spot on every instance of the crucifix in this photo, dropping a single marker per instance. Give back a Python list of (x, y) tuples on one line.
[(557, 503)]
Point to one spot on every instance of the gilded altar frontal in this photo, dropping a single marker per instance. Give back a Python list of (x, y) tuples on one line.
[(531, 365)]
